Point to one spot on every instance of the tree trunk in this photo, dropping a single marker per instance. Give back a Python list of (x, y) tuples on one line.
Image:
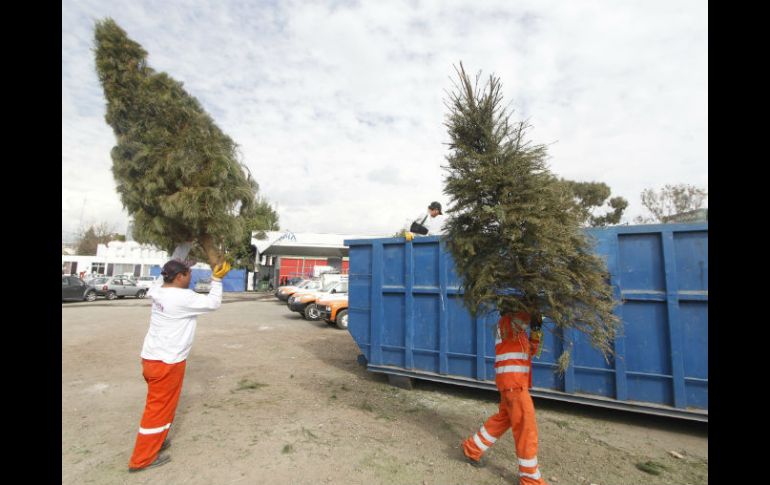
[(211, 251)]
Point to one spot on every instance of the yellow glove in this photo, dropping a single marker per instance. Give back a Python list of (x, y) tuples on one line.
[(408, 235), (537, 337), (221, 270)]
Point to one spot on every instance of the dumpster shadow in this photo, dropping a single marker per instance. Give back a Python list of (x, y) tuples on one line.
[(451, 425), (448, 427), (663, 423)]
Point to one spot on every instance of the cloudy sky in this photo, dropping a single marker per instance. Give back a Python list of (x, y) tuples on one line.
[(338, 106)]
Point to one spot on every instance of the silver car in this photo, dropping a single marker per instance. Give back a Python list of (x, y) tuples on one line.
[(203, 285), (146, 281), (117, 287)]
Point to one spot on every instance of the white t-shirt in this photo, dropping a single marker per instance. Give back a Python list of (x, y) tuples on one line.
[(435, 225), (173, 320)]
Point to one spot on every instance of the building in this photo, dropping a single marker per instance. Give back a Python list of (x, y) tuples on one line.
[(116, 257), (284, 254)]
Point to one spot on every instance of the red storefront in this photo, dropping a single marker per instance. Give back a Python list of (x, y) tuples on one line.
[(290, 267)]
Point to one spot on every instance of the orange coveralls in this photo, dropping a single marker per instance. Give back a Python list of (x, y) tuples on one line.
[(513, 376)]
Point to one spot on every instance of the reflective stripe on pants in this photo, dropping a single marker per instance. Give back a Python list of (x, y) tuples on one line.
[(517, 412)]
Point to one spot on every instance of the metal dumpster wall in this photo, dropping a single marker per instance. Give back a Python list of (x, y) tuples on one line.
[(234, 281), (407, 316)]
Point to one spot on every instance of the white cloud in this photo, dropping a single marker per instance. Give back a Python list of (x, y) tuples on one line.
[(338, 106)]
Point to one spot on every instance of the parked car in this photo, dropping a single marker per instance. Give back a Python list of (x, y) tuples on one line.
[(334, 309), (284, 292), (203, 285), (146, 281), (116, 287), (75, 289), (304, 302)]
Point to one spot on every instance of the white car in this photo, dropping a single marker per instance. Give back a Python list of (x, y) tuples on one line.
[(146, 281)]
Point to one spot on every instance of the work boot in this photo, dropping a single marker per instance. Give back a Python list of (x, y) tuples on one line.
[(475, 463), (159, 461), (472, 462)]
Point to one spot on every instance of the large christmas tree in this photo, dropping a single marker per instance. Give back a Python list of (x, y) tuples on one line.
[(177, 173), (513, 225)]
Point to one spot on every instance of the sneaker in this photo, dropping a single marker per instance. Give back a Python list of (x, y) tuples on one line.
[(159, 461)]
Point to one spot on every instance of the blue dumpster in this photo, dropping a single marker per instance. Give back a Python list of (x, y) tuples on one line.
[(407, 317), (234, 281)]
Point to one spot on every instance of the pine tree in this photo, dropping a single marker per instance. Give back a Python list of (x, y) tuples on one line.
[(512, 223), (177, 173), (591, 195)]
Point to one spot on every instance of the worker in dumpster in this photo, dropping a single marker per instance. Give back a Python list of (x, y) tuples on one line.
[(514, 350)]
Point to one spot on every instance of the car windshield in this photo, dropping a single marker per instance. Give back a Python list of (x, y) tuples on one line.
[(99, 281), (147, 278), (304, 284), (313, 285), (343, 288)]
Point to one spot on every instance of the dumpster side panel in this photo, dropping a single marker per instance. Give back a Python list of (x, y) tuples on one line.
[(359, 297)]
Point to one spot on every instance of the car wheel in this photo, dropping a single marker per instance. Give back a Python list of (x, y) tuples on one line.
[(90, 296), (111, 295), (312, 313), (342, 319), (140, 294)]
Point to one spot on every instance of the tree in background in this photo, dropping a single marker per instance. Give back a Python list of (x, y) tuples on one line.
[(591, 195), (513, 225), (264, 219), (88, 239), (671, 200), (177, 173)]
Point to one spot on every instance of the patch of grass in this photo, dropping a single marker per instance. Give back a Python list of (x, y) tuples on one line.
[(249, 384), (412, 410), (651, 467), (561, 424), (287, 449), (334, 396), (291, 376), (309, 433), (366, 406)]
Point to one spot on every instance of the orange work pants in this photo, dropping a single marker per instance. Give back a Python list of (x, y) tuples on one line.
[(164, 384), (518, 413)]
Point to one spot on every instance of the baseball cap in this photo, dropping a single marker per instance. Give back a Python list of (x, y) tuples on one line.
[(435, 205), (174, 267)]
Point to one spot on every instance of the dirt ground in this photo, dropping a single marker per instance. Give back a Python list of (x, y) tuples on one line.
[(271, 398)]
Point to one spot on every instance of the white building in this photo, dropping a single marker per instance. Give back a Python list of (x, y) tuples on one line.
[(116, 257)]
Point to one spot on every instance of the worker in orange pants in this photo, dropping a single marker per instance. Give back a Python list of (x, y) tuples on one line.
[(173, 320), (513, 376)]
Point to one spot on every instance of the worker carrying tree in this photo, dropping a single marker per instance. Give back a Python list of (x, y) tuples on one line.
[(514, 350)]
